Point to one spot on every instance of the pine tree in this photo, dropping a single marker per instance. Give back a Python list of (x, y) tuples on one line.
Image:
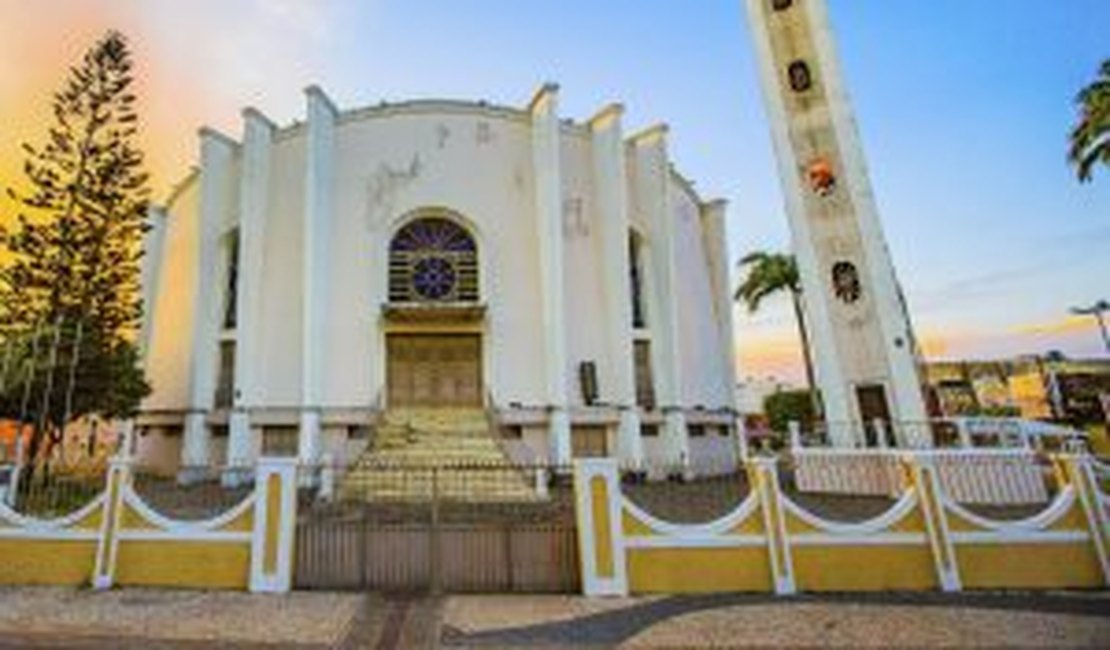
[(70, 295)]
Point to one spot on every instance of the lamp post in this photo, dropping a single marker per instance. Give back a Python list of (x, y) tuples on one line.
[(1098, 310)]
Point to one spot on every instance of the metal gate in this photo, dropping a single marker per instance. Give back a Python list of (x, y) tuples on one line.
[(453, 529)]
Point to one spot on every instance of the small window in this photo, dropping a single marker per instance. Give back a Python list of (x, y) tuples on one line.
[(280, 441), (801, 79), (225, 379), (846, 284), (231, 289), (781, 5), (645, 383), (695, 430), (512, 432), (636, 281), (649, 430)]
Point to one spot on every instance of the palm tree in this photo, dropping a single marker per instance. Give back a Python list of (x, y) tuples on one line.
[(1090, 138), (769, 274)]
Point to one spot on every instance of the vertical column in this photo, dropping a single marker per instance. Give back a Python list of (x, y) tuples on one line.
[(921, 472), (764, 477), (611, 190), (275, 512), (153, 254), (715, 236), (254, 183), (319, 193), (1078, 470), (107, 548), (652, 183), (549, 226), (600, 539), (216, 151)]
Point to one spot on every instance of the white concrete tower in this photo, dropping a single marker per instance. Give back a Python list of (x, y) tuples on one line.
[(863, 346)]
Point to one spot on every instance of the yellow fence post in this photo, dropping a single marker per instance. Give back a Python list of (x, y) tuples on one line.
[(275, 512), (600, 540), (764, 478), (923, 476), (1078, 470), (107, 547)]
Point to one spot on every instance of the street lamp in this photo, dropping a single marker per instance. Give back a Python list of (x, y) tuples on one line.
[(1097, 310)]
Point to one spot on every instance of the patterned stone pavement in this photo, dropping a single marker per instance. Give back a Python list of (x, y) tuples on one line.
[(142, 618)]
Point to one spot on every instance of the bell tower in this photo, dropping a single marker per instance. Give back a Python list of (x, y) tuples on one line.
[(863, 346)]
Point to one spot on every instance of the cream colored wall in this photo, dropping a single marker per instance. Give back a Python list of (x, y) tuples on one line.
[(586, 309), (703, 361), (475, 165), (171, 336), (279, 376)]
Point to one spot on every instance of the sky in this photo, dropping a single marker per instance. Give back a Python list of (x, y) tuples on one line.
[(963, 105)]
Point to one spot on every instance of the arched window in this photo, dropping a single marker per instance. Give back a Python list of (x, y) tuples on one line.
[(433, 259)]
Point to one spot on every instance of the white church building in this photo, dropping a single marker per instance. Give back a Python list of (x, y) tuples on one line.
[(307, 281)]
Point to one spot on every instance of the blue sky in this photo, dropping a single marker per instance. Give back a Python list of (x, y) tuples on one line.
[(964, 107)]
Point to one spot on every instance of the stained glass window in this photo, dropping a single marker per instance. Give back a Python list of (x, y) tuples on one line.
[(433, 259)]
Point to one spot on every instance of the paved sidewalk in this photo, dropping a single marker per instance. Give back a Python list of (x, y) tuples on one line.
[(147, 618), (738, 620)]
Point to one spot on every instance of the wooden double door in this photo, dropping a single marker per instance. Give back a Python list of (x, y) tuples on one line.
[(434, 370)]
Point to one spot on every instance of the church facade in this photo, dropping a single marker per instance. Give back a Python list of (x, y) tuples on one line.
[(307, 280)]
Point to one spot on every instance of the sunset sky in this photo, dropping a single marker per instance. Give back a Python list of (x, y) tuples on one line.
[(964, 107)]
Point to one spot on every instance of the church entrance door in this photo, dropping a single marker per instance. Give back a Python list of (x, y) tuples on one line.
[(434, 370)]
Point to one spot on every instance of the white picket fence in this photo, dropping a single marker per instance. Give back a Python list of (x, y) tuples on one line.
[(980, 476)]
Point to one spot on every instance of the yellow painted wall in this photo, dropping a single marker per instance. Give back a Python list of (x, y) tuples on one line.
[(691, 570), (46, 562), (992, 566), (215, 565), (863, 568)]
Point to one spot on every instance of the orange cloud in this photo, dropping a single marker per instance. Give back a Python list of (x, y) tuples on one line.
[(1067, 325)]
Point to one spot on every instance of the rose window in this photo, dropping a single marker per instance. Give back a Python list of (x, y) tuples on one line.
[(433, 278)]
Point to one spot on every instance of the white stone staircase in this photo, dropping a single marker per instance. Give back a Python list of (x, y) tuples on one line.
[(449, 452)]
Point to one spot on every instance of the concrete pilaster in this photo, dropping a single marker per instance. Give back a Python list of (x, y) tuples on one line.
[(216, 190), (611, 189), (549, 227), (652, 183), (254, 180), (316, 226)]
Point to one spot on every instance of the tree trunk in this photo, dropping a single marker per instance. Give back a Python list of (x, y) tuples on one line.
[(811, 384)]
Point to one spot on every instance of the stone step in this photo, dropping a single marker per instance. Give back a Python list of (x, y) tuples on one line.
[(471, 466)]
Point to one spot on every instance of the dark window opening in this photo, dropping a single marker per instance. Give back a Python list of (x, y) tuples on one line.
[(846, 283), (801, 79), (645, 383), (636, 276), (225, 380), (231, 289)]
